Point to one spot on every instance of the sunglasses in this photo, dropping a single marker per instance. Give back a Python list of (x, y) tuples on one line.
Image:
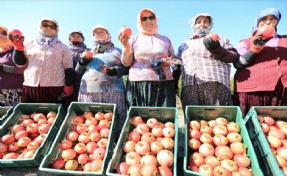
[(148, 17), (4, 33), (45, 25)]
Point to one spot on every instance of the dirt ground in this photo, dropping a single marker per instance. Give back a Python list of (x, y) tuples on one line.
[(33, 171)]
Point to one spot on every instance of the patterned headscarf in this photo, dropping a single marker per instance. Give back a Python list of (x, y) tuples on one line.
[(77, 48), (44, 41), (140, 27), (264, 13), (101, 45), (196, 32), (5, 43)]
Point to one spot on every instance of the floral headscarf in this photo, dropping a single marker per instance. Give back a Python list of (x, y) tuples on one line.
[(140, 28), (44, 41), (5, 43), (77, 48), (196, 32)]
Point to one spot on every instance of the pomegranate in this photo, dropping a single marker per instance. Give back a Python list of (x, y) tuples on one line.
[(196, 159), (58, 163), (129, 146), (71, 165), (126, 31), (205, 169), (123, 168), (136, 120), (164, 171), (149, 169), (165, 158)]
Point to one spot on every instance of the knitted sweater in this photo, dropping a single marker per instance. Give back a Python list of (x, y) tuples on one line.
[(266, 69)]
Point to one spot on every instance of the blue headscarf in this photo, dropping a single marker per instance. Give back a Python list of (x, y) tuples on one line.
[(196, 32), (264, 13)]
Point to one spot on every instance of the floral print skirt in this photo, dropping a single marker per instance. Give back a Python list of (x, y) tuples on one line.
[(10, 97)]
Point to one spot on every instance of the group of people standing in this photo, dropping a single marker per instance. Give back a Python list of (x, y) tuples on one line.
[(45, 70)]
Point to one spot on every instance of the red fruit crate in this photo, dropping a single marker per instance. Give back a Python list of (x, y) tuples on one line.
[(162, 114), (78, 108), (29, 108), (266, 159), (232, 114)]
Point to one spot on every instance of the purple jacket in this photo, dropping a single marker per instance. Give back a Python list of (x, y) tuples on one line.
[(11, 77)]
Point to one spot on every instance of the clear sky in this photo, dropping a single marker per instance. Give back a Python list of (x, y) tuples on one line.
[(232, 18)]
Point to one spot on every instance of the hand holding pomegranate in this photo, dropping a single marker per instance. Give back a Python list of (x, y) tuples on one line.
[(211, 42), (124, 35), (86, 58), (263, 35)]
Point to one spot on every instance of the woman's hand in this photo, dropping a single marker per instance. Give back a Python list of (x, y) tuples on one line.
[(253, 46), (124, 40)]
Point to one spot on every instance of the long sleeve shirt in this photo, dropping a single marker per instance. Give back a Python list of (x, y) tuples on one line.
[(11, 76), (46, 67), (145, 51)]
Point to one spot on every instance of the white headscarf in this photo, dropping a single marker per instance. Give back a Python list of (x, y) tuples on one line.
[(51, 20), (100, 41), (140, 28), (196, 32)]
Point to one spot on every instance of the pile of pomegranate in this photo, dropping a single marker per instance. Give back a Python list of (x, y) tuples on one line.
[(85, 144), (276, 135), (148, 149), (26, 136), (217, 148)]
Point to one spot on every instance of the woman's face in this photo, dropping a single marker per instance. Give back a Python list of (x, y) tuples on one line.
[(148, 21), (76, 37), (3, 35), (202, 22), (269, 20), (101, 34), (48, 28)]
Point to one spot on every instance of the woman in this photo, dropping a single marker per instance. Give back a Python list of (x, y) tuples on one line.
[(206, 69), (11, 77), (49, 66), (102, 74), (260, 79), (150, 81), (77, 47)]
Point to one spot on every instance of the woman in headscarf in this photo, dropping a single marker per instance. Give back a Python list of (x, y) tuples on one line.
[(11, 77), (206, 69), (150, 80), (77, 47), (102, 75), (261, 76), (49, 66)]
